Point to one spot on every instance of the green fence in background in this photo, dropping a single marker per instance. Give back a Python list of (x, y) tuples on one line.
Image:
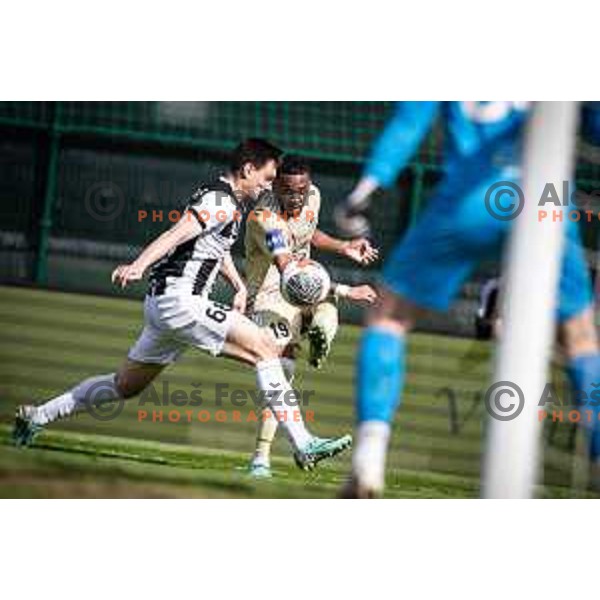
[(336, 131), (59, 158)]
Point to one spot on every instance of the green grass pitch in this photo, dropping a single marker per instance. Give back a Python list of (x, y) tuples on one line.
[(51, 340)]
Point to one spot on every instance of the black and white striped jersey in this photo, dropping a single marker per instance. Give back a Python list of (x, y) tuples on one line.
[(192, 267)]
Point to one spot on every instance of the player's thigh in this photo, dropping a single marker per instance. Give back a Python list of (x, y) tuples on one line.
[(282, 326), (216, 328), (454, 233), (222, 330), (154, 350), (393, 312), (156, 347), (239, 353), (251, 339), (209, 326)]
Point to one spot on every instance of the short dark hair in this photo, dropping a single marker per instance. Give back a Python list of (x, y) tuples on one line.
[(293, 164), (256, 151)]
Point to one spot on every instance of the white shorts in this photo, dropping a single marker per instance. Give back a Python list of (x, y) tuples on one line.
[(174, 323)]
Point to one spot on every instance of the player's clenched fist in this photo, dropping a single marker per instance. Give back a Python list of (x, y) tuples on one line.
[(123, 274)]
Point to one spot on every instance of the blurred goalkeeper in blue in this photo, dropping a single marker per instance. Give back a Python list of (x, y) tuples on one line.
[(427, 268)]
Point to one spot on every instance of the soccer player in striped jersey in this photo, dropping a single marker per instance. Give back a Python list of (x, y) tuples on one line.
[(282, 229), (184, 262), (439, 252)]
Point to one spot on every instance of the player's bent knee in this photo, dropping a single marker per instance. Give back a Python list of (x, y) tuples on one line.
[(265, 348), (254, 343), (392, 312)]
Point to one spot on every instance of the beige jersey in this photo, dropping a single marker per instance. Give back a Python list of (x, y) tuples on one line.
[(269, 234)]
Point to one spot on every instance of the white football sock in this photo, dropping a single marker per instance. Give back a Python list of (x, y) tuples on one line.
[(271, 378), (368, 459), (267, 426), (101, 388)]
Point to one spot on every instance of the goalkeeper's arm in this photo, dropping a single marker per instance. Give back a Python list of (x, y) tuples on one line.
[(390, 154)]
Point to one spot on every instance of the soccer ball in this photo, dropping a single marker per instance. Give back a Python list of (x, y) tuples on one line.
[(305, 283)]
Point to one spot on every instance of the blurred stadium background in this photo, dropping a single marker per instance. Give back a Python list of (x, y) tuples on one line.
[(73, 176)]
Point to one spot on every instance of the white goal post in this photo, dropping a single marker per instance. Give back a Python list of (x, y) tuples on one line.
[(532, 264)]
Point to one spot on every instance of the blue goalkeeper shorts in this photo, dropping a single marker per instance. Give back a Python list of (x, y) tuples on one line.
[(455, 232)]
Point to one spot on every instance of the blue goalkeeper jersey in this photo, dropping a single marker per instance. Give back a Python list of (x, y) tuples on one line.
[(456, 230), (471, 129)]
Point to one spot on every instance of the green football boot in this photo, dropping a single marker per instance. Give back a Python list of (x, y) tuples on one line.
[(319, 449), (25, 429), (318, 346)]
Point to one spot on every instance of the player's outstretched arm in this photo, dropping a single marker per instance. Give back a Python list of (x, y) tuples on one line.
[(359, 250), (230, 272), (390, 154), (185, 229), (362, 294)]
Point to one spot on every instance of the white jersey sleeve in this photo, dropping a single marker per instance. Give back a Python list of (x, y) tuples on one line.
[(214, 211)]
